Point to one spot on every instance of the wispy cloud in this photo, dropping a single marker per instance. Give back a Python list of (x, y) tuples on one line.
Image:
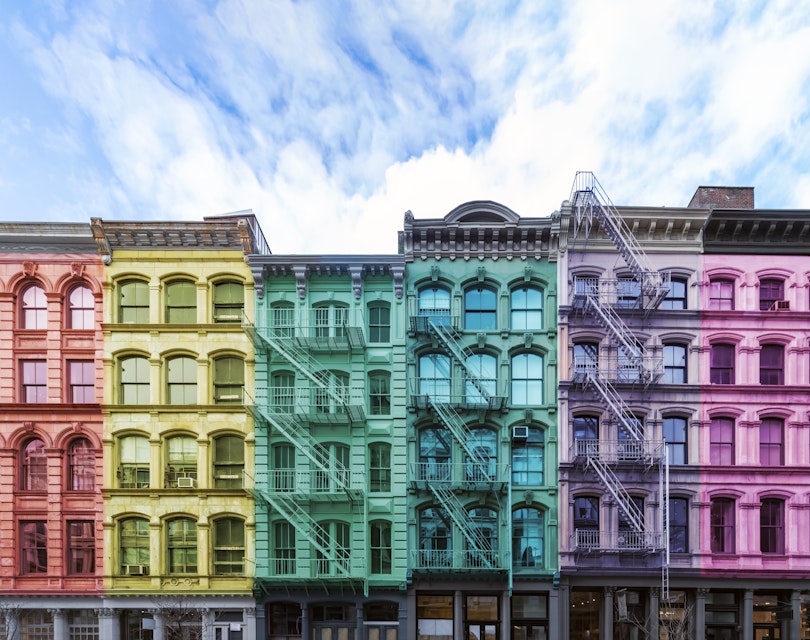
[(331, 119)]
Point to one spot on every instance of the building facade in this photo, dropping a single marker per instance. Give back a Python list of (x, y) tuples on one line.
[(329, 407), (51, 558), (179, 523), (481, 424)]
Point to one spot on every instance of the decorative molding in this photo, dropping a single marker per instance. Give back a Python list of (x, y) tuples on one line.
[(301, 280), (481, 274), (356, 273), (30, 267), (434, 273), (77, 269)]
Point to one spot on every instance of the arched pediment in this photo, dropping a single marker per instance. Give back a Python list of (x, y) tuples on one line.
[(481, 212)]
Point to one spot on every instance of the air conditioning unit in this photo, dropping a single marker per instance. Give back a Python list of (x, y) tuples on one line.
[(781, 305), (520, 433), (185, 483), (136, 570)]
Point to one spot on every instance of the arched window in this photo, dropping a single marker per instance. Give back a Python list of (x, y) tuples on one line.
[(330, 320), (586, 521), (81, 465), (480, 309), (586, 357), (229, 301), (229, 380), (133, 302), (435, 538), (34, 466), (528, 538), (528, 459), (135, 380), (721, 369), (435, 454), (182, 380), (485, 532), (133, 536), (181, 546), (527, 379), (282, 320), (229, 546), (484, 445), (229, 462), (181, 462), (381, 548), (434, 307), (334, 472), (483, 368), (181, 302), (81, 308), (675, 300), (335, 537), (134, 470), (331, 395), (526, 309), (434, 376), (33, 308)]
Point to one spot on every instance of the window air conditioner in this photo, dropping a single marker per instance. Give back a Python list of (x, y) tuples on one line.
[(136, 570), (520, 433), (781, 305), (185, 483)]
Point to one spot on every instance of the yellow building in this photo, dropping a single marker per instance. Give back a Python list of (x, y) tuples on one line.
[(179, 523)]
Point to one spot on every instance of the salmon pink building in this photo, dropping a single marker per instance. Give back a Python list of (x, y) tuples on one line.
[(50, 431)]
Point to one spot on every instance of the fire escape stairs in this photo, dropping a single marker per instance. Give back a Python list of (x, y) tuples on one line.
[(448, 336), (478, 544), (450, 418)]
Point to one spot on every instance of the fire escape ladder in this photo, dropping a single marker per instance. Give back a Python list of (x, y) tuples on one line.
[(300, 438), (449, 417), (612, 483), (303, 362), (479, 545), (314, 533), (612, 322), (614, 403), (589, 201), (447, 335)]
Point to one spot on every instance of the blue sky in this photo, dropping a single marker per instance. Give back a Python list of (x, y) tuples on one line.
[(330, 119)]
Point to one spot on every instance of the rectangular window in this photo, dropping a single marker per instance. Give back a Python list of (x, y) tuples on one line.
[(182, 381), (182, 546), (229, 547), (722, 364), (81, 547), (678, 525), (133, 303), (721, 295), (674, 364), (229, 301), (229, 462), (33, 547), (379, 394), (181, 303), (771, 451), (722, 523), (229, 380), (675, 299), (675, 437), (182, 459), (772, 364), (721, 441), (33, 374), (81, 381), (772, 526), (771, 291), (381, 547), (379, 324), (628, 293), (379, 467), (284, 548)]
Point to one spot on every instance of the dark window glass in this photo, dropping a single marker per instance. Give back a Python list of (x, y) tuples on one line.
[(722, 523), (678, 525), (675, 436), (379, 467), (381, 548), (674, 364), (675, 299), (772, 526), (81, 547), (721, 295), (33, 547), (721, 441), (771, 450), (379, 323), (722, 364), (771, 291), (772, 364), (480, 310)]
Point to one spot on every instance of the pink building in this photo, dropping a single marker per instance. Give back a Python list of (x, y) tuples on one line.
[(50, 430)]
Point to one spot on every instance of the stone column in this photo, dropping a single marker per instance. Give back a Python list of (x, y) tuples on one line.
[(60, 630), (160, 626), (458, 615), (747, 622), (796, 617), (700, 613), (305, 630), (249, 618), (654, 613), (607, 613), (109, 625)]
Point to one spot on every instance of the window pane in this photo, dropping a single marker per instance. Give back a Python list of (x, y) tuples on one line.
[(381, 547), (674, 364), (182, 377), (34, 309), (81, 465), (771, 432), (721, 295), (81, 380), (379, 390), (229, 462), (229, 546), (182, 546), (527, 309), (229, 301), (770, 291), (182, 462), (675, 437), (676, 296), (34, 466), (722, 519), (379, 324), (33, 547), (229, 379), (181, 302), (480, 309), (133, 302), (527, 379), (771, 529), (721, 435), (528, 459), (722, 364), (81, 306), (678, 525), (134, 539), (379, 467), (81, 547), (528, 542), (771, 364), (135, 381), (134, 470), (34, 381)]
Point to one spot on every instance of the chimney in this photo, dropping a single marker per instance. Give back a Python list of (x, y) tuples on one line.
[(723, 198)]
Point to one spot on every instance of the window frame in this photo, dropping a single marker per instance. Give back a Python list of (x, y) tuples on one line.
[(81, 315), (181, 383), (140, 384), (679, 527), (140, 547), (381, 547), (235, 467), (772, 442), (180, 302), (721, 294), (182, 546), (676, 302), (379, 393), (230, 389), (181, 459), (33, 312), (722, 363), (284, 548), (379, 323), (81, 467), (521, 312), (772, 364), (669, 426), (721, 441), (33, 543), (33, 381), (772, 526), (222, 551), (723, 517), (525, 530), (231, 309), (528, 459), (33, 474), (81, 548), (526, 384), (480, 308), (138, 311), (80, 391), (379, 467), (771, 291), (589, 506), (134, 473), (676, 363)]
